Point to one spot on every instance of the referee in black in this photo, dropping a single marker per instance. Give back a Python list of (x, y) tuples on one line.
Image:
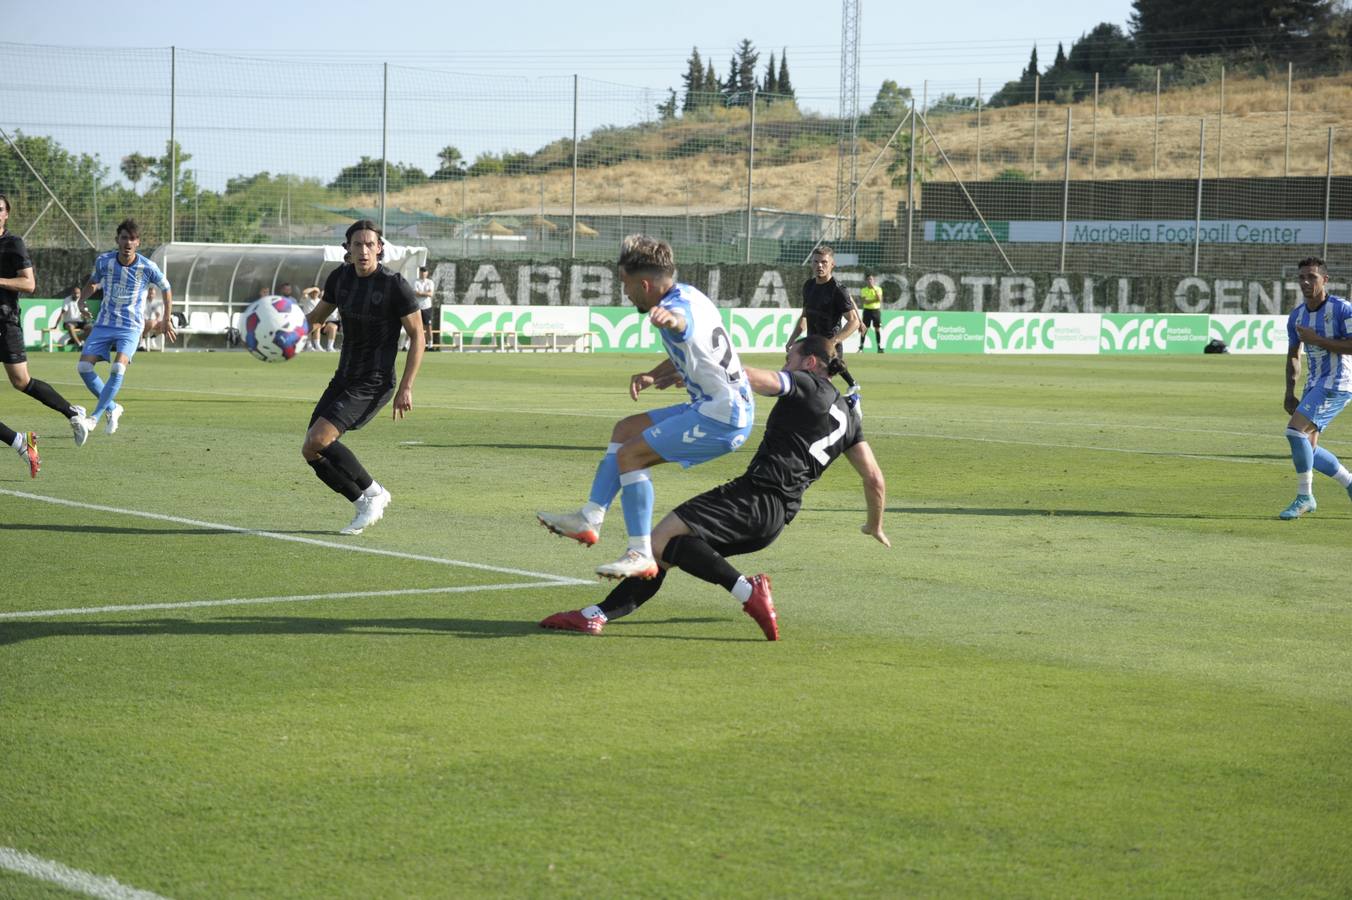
[(825, 304), (375, 305), (808, 428)]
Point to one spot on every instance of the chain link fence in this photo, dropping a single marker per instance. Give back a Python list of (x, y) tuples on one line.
[(1216, 175)]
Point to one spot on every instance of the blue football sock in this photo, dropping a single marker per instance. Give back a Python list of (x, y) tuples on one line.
[(110, 389), (90, 377), (636, 496), (1326, 462), (1302, 454), (606, 482)]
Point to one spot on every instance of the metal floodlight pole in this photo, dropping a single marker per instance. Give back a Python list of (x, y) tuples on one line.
[(572, 235), (750, 167), (910, 188), (978, 129), (1155, 153), (1037, 102), (1328, 191), (1065, 193), (384, 140), (59, 205), (1286, 168), (1220, 126), (1093, 153), (1197, 216), (173, 138)]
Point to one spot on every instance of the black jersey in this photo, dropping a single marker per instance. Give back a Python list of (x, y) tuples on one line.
[(14, 259), (807, 429), (825, 306), (371, 309)]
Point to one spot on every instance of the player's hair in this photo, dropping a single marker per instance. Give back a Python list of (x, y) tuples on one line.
[(642, 255), (130, 227), (816, 346), (365, 225), (1317, 263), (281, 288), (825, 250)]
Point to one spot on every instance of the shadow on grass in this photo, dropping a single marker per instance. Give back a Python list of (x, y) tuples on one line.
[(17, 631), (1051, 513)]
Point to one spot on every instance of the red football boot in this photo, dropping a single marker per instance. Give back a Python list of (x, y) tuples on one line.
[(573, 620), (761, 607)]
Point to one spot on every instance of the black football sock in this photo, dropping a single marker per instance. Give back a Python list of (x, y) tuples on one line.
[(334, 478), (45, 394), (7, 435), (345, 461), (630, 594), (845, 373), (694, 555)]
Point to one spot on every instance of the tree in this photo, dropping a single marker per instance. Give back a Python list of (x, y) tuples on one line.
[(1106, 49), (887, 110), (1060, 60), (693, 79), (1165, 31), (770, 86), (785, 86), (667, 109), (135, 166), (729, 87), (747, 57), (711, 86), (1032, 71), (452, 164)]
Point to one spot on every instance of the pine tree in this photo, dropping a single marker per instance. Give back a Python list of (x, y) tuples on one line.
[(667, 109), (709, 96), (1032, 71), (785, 86), (747, 57), (729, 87), (1060, 61), (694, 82), (770, 86)]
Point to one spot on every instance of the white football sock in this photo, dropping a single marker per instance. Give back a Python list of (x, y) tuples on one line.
[(1305, 482), (594, 612), (594, 513), (742, 589), (372, 491), (1343, 476), (643, 544), (20, 442)]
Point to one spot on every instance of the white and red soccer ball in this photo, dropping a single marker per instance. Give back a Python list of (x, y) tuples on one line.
[(274, 328)]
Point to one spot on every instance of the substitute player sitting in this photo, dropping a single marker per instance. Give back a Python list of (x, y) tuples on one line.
[(716, 420), (809, 427)]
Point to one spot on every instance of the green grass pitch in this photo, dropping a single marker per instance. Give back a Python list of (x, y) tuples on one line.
[(1093, 663)]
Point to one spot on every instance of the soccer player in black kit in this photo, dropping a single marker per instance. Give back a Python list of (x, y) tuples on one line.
[(825, 303), (809, 427), (16, 275), (375, 304)]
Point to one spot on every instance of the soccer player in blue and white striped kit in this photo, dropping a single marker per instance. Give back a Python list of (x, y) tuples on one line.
[(716, 420), (1323, 323), (124, 276)]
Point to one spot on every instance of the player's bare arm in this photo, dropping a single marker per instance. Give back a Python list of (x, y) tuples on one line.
[(1289, 400), (762, 381), (23, 282), (875, 489), (166, 327), (666, 319), (1311, 337), (798, 328), (852, 323), (403, 398), (317, 316), (660, 376)]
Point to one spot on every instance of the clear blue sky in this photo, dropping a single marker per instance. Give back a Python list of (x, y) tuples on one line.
[(537, 43)]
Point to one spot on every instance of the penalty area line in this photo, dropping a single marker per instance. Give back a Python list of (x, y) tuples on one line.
[(81, 882), (294, 538), (256, 601)]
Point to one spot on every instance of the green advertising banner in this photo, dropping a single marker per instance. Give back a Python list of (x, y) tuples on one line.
[(618, 329), (1153, 334), (760, 330), (35, 315), (1250, 334), (916, 332)]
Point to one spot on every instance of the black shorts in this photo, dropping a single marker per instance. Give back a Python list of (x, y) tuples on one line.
[(427, 319), (873, 317), (12, 351), (736, 517), (350, 407)]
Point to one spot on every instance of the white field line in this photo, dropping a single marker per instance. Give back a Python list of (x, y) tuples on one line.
[(294, 538), (872, 417), (254, 601), (80, 882)]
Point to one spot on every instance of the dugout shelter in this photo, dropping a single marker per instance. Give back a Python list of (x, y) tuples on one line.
[(213, 283)]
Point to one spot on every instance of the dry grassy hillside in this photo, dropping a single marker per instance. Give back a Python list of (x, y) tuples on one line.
[(1252, 141)]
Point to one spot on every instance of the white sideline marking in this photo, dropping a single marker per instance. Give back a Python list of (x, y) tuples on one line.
[(293, 598), (295, 538), (71, 879)]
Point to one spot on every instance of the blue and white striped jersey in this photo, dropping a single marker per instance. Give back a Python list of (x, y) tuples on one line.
[(1332, 320), (704, 356), (123, 301)]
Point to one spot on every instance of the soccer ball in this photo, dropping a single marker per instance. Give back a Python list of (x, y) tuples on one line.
[(274, 328)]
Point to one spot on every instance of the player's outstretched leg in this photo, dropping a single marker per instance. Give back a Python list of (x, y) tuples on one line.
[(26, 444), (1328, 464), (1302, 457), (695, 556), (584, 525), (636, 496), (624, 598)]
